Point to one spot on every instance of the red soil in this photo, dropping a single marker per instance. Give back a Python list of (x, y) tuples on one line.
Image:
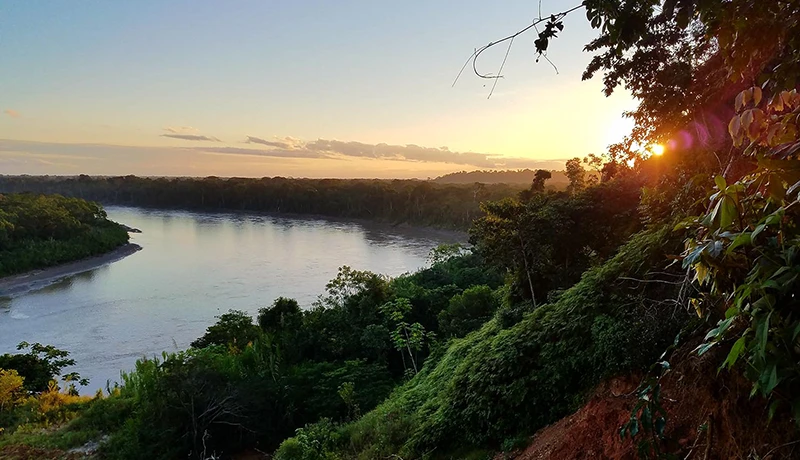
[(693, 395)]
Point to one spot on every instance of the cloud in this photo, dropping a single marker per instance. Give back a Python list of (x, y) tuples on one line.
[(276, 144), (192, 137), (12, 113), (288, 147), (182, 130), (187, 133), (275, 153), (324, 160)]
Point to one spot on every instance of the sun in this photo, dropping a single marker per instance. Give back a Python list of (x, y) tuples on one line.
[(657, 149)]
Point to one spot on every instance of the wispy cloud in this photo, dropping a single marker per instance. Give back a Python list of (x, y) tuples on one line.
[(277, 144), (323, 148), (192, 137), (321, 159), (181, 130), (275, 153), (12, 113), (187, 133)]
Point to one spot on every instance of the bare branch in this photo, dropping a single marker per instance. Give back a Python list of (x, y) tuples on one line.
[(477, 53)]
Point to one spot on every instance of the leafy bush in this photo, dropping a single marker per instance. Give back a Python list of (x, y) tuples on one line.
[(316, 441), (468, 311), (232, 329), (538, 369)]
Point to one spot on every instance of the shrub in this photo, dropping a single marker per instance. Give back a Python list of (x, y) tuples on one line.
[(468, 311)]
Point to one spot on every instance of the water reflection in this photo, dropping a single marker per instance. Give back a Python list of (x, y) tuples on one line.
[(195, 266)]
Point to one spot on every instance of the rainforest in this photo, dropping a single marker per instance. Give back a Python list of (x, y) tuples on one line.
[(645, 307)]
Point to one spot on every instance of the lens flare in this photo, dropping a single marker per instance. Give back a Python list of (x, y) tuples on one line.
[(657, 149)]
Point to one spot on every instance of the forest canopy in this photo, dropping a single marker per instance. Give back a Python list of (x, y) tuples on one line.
[(38, 231)]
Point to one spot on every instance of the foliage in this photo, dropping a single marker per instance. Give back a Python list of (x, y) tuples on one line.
[(38, 231), (745, 253), (11, 389), (40, 365), (393, 201), (576, 175), (537, 369), (528, 237), (315, 441), (407, 338), (468, 311), (233, 329)]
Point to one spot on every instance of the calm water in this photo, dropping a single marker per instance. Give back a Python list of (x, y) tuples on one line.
[(193, 267)]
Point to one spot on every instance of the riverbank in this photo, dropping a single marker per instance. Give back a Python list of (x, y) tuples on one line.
[(12, 286)]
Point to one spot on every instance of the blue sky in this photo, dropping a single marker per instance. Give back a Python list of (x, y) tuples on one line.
[(177, 87)]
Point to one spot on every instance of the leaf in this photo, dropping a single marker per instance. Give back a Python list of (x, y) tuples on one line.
[(757, 124), (735, 126), (742, 99), (757, 231), (728, 212), (772, 380), (736, 350), (793, 188), (659, 426), (772, 409), (703, 348), (773, 218), (719, 331), (743, 239), (756, 95), (634, 426), (762, 333), (720, 181), (747, 120)]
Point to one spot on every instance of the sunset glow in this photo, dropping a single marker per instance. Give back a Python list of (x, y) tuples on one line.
[(148, 88)]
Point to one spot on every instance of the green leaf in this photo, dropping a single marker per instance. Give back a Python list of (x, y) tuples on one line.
[(736, 350), (758, 230), (703, 348), (728, 212), (722, 326), (634, 426), (772, 408), (796, 331), (772, 380), (773, 219), (660, 425), (647, 419), (762, 332), (720, 181), (743, 239)]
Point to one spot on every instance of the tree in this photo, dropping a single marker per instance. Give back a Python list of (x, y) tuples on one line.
[(12, 390), (576, 174), (468, 311), (407, 338), (40, 365), (539, 179), (284, 316), (233, 329)]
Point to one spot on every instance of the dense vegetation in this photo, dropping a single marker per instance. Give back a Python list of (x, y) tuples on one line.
[(394, 201), (560, 290), (38, 231)]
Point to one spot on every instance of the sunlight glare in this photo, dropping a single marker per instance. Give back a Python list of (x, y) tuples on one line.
[(657, 149)]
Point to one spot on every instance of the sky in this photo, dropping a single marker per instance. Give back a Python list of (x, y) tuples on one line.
[(292, 88)]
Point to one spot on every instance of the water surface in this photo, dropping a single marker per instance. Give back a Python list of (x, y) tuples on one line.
[(194, 266)]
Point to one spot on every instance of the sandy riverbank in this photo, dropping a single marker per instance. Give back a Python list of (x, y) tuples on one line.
[(15, 285)]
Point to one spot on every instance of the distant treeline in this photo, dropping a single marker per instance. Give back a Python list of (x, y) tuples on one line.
[(38, 231), (396, 201), (558, 181)]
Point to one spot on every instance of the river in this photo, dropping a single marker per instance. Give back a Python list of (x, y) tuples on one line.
[(193, 267)]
